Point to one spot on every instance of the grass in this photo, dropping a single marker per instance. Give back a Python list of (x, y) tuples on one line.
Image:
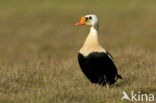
[(39, 44)]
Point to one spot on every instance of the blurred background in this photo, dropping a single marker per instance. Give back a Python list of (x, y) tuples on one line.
[(29, 29), (42, 34)]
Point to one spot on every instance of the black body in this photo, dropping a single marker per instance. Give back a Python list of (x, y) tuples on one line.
[(99, 68)]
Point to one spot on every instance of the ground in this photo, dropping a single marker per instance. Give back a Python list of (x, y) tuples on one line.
[(39, 43)]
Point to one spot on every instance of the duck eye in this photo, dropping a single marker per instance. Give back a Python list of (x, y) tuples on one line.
[(90, 17)]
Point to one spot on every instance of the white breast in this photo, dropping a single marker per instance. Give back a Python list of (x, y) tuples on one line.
[(87, 49), (91, 43)]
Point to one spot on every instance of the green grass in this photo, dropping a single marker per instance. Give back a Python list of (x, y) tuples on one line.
[(39, 43)]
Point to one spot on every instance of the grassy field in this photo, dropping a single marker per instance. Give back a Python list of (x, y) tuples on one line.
[(39, 43)]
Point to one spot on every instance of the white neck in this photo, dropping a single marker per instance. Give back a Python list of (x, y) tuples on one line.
[(92, 38), (91, 44)]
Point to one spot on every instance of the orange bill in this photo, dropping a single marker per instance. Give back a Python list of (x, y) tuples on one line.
[(82, 21)]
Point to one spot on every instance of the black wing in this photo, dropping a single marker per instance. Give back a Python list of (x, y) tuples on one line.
[(97, 65)]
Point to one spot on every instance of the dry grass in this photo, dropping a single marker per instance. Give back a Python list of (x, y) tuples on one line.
[(39, 44)]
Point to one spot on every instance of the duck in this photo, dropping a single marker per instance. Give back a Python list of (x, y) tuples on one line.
[(96, 63)]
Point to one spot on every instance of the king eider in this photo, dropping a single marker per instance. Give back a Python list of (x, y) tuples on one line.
[(95, 62)]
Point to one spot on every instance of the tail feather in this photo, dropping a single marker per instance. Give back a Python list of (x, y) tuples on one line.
[(119, 76)]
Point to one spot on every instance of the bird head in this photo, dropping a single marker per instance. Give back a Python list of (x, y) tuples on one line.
[(91, 20)]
